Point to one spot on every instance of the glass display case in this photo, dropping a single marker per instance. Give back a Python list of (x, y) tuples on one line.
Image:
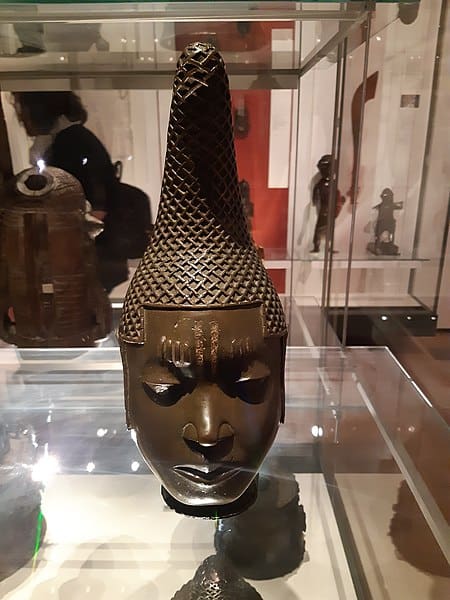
[(341, 134)]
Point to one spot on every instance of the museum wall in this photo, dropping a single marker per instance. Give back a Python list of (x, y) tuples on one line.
[(436, 190)]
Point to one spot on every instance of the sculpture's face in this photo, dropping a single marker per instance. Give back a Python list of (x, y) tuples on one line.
[(204, 395)]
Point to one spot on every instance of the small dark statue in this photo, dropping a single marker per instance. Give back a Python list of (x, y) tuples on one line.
[(202, 333), (216, 579), (50, 294), (249, 208), (321, 201), (385, 226)]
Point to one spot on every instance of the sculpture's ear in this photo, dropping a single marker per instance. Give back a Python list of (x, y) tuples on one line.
[(126, 385), (283, 340)]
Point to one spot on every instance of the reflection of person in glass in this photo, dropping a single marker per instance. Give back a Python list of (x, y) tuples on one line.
[(56, 121), (203, 333), (321, 201), (385, 225)]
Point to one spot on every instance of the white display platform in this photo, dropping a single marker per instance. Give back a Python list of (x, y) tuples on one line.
[(110, 537)]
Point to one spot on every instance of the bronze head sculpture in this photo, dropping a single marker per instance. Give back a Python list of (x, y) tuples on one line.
[(203, 333), (50, 294)]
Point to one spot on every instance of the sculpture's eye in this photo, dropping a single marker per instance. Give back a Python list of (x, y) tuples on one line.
[(251, 385), (167, 394), (251, 390)]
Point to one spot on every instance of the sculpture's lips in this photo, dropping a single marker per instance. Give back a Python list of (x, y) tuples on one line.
[(206, 473)]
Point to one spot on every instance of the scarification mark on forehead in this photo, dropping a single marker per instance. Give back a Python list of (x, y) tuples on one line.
[(241, 347), (176, 352), (207, 345), (214, 344), (199, 343)]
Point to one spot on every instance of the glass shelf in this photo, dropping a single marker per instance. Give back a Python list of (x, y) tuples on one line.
[(92, 11), (123, 46)]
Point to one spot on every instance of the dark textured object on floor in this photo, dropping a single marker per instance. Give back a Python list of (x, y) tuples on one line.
[(216, 579), (267, 541), (22, 525), (202, 333), (50, 295)]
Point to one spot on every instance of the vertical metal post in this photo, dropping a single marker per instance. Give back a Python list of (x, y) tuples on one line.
[(355, 182), (293, 226), (335, 157), (426, 164)]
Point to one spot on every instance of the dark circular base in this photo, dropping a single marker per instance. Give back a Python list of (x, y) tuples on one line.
[(213, 511)]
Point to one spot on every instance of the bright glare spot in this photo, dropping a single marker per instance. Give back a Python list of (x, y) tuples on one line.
[(62, 59), (383, 318), (130, 157), (49, 419), (41, 165), (171, 59), (45, 468), (409, 318), (433, 318), (90, 467), (318, 40), (101, 432), (123, 40), (135, 466), (84, 161), (317, 431), (133, 435), (411, 429), (378, 38), (141, 58), (156, 40)]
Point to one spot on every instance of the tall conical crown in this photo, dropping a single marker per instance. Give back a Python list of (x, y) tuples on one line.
[(201, 253)]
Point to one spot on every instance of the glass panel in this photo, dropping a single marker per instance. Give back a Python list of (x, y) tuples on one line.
[(397, 266), (102, 40)]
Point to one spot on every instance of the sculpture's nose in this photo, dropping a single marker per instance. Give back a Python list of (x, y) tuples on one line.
[(209, 434), (213, 446)]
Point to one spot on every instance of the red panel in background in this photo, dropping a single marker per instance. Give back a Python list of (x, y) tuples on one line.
[(278, 277), (252, 153)]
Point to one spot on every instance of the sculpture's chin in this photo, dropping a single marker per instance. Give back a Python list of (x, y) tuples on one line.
[(213, 510)]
